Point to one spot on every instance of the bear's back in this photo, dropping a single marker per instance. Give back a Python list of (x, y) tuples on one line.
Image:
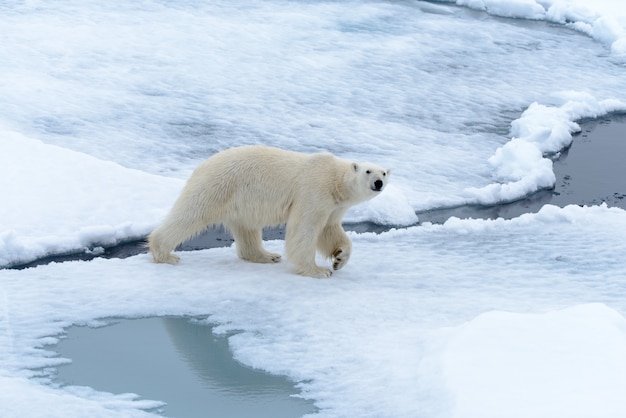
[(256, 185)]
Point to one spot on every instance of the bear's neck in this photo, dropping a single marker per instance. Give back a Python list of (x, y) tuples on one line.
[(342, 191)]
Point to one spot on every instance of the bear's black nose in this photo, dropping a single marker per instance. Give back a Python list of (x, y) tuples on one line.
[(378, 184)]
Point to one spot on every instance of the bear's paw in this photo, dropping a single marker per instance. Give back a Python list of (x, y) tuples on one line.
[(340, 258), (270, 258), (168, 259), (317, 272)]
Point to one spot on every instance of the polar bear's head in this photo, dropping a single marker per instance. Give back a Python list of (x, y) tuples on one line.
[(370, 178)]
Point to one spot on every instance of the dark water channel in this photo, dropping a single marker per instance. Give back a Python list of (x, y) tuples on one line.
[(182, 363), (591, 171)]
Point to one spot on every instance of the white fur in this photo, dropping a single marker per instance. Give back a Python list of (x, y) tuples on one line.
[(251, 187)]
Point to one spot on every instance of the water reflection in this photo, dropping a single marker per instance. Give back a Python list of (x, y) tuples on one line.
[(210, 358), (177, 361)]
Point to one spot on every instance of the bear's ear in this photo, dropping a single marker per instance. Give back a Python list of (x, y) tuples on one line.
[(355, 167), (388, 171)]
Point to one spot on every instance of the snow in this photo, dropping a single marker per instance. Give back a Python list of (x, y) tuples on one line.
[(440, 316), (604, 20), (63, 201), (551, 379), (107, 108), (19, 393), (527, 9)]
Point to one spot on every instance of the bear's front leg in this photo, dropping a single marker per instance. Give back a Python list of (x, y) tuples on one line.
[(300, 245), (334, 243)]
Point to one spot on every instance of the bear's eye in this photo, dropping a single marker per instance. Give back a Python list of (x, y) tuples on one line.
[(368, 172), (384, 174)]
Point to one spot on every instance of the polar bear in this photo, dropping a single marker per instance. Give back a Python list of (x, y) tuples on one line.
[(251, 187)]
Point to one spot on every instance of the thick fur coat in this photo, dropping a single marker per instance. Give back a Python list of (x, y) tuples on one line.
[(251, 187)]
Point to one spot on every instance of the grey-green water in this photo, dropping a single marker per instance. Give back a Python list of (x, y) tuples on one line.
[(178, 361)]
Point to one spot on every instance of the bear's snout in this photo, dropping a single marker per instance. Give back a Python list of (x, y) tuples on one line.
[(378, 186)]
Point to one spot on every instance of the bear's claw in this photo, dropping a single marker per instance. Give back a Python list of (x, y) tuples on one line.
[(340, 258), (273, 258)]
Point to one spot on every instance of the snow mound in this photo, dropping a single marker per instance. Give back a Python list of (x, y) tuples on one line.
[(565, 363), (522, 166)]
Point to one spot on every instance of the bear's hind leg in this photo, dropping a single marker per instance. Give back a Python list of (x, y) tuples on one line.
[(249, 243), (161, 244), (174, 230)]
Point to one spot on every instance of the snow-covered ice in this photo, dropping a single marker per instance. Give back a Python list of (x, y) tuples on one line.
[(419, 324), (604, 20), (427, 89), (523, 365), (58, 200), (107, 107)]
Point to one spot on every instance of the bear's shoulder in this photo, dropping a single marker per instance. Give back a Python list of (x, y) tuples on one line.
[(327, 160)]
